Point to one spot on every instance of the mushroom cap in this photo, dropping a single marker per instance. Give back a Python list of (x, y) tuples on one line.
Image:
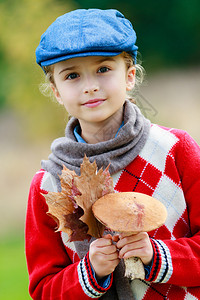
[(129, 212)]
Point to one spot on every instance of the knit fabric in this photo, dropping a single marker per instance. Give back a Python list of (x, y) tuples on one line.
[(167, 168), (118, 152)]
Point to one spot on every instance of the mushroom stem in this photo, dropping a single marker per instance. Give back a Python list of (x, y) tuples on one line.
[(134, 268)]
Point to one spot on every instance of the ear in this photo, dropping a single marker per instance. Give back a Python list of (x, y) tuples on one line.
[(130, 78), (56, 93)]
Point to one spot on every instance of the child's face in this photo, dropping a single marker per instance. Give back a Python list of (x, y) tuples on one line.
[(93, 88)]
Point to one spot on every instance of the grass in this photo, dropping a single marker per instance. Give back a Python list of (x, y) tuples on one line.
[(13, 270)]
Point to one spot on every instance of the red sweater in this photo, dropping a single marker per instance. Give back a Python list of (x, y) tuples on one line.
[(167, 168)]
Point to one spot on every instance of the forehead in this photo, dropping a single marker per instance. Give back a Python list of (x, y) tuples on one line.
[(88, 61)]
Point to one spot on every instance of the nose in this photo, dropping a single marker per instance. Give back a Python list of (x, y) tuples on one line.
[(90, 85)]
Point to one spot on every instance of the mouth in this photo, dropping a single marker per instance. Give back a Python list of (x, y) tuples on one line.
[(94, 102)]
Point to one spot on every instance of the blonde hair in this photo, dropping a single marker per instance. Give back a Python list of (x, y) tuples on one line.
[(129, 61), (139, 77)]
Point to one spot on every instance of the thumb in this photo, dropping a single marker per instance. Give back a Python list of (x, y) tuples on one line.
[(108, 236)]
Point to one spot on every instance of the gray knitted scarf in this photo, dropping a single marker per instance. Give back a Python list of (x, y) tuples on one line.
[(118, 152)]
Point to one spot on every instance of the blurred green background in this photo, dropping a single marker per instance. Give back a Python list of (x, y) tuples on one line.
[(169, 46)]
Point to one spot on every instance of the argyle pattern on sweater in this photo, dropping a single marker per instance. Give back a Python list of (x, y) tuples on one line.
[(154, 172)]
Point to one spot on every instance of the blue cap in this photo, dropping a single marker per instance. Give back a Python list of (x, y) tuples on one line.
[(86, 32)]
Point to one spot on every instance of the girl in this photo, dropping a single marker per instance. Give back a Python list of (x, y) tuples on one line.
[(89, 56)]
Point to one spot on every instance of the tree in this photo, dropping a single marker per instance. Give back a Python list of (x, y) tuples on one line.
[(21, 26)]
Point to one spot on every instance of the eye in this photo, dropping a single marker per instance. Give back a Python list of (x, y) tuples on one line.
[(103, 70), (72, 76)]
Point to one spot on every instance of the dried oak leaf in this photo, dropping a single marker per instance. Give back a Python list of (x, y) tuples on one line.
[(79, 229), (72, 207), (62, 203), (92, 185)]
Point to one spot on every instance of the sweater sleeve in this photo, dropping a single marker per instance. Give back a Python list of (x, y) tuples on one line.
[(177, 261), (52, 274)]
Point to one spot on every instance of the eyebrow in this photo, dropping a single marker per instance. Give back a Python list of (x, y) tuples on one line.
[(68, 69), (105, 59), (101, 60)]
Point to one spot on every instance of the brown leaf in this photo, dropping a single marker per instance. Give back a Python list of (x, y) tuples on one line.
[(78, 228), (72, 207), (61, 203), (92, 186)]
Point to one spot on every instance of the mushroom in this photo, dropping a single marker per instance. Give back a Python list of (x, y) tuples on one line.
[(130, 212)]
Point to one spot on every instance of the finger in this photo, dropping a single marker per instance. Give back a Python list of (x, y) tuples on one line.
[(98, 243), (108, 250), (131, 245), (124, 234), (132, 253), (136, 246), (144, 252), (138, 253), (128, 251), (124, 241), (103, 248), (115, 238), (112, 256), (108, 236), (125, 251), (132, 239)]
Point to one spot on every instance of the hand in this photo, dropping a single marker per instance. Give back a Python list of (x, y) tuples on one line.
[(137, 245), (103, 256)]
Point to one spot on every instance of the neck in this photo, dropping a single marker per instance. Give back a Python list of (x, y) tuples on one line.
[(103, 131)]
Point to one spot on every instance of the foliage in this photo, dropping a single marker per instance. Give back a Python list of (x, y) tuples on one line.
[(168, 30), (21, 26)]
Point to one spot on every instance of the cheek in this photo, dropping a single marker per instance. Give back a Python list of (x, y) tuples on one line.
[(115, 85), (68, 95), (120, 89), (68, 100), (70, 106)]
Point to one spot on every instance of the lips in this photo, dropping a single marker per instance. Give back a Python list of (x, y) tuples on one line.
[(94, 102)]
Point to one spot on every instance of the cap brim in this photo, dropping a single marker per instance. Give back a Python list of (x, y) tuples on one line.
[(69, 56)]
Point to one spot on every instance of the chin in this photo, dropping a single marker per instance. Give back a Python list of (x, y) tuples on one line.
[(101, 119), (97, 117)]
